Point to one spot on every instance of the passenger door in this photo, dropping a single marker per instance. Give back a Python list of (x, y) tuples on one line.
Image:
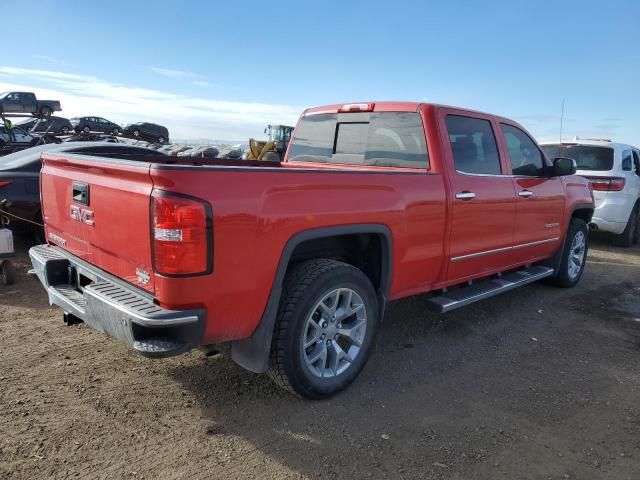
[(28, 101), (11, 103), (483, 200), (540, 200)]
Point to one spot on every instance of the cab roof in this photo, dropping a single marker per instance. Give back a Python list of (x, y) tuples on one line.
[(393, 106)]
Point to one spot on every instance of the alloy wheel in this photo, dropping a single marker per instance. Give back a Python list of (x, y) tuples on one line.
[(334, 333), (577, 254)]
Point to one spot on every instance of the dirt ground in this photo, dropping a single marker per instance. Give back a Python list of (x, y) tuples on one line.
[(539, 383)]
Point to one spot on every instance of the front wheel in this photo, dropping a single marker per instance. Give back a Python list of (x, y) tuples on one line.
[(115, 131), (327, 319), (574, 255)]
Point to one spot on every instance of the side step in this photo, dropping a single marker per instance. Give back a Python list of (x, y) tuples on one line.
[(159, 347), (459, 297)]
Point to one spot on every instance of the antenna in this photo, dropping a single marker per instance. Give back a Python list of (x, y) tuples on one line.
[(561, 119)]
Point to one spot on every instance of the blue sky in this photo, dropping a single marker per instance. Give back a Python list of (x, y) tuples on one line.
[(222, 70)]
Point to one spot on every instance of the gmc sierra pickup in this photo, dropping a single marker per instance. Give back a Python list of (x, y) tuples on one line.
[(294, 262)]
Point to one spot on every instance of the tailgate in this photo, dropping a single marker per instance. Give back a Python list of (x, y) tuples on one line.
[(98, 210)]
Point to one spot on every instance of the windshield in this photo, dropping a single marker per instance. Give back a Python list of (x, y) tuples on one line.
[(587, 157)]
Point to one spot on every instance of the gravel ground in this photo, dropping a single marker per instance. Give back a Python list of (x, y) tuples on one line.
[(539, 383)]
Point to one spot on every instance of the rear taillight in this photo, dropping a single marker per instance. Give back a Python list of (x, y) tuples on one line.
[(607, 184), (182, 235), (4, 183)]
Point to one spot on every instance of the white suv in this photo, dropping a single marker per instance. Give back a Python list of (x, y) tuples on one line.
[(614, 172)]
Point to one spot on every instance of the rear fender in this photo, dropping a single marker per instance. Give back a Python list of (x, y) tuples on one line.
[(253, 353)]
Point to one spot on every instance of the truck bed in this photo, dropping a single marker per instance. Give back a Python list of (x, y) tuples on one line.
[(257, 208)]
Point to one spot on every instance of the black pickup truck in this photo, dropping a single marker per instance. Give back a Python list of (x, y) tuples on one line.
[(26, 102)]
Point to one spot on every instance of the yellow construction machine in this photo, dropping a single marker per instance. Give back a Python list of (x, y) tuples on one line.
[(272, 150)]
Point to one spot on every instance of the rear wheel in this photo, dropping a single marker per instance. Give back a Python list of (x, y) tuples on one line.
[(86, 129), (45, 112), (7, 273), (326, 323), (115, 131), (64, 130), (161, 140), (574, 255), (631, 233)]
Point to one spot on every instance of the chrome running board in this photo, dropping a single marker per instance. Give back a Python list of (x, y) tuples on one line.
[(479, 290)]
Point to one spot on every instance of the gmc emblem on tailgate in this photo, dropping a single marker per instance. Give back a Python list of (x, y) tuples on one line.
[(82, 215)]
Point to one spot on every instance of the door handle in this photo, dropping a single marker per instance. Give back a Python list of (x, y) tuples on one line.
[(525, 193), (465, 195)]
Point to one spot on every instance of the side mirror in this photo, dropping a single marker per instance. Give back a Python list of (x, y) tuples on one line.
[(563, 166)]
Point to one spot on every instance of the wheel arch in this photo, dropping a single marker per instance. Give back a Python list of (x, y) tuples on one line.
[(582, 211), (252, 353)]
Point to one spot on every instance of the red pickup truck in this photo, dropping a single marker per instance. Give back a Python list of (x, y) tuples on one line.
[(294, 262)]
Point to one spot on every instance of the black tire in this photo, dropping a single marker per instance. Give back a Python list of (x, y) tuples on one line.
[(631, 232), (8, 273), (305, 285), (161, 140), (136, 133), (64, 130), (86, 129), (115, 131), (564, 278), (45, 112), (271, 157)]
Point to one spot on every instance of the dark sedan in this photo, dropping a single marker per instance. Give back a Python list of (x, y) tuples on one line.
[(20, 177), (49, 125), (150, 132), (95, 124)]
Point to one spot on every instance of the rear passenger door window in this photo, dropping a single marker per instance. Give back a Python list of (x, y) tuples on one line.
[(526, 158), (636, 162), (627, 162), (474, 146)]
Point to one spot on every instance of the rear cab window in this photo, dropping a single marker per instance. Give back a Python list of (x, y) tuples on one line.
[(382, 139), (587, 157)]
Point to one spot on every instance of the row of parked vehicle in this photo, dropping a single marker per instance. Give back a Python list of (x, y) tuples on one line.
[(58, 125)]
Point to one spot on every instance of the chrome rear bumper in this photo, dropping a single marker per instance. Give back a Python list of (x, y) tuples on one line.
[(113, 306)]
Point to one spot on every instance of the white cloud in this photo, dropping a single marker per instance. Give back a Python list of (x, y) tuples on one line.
[(50, 59), (194, 78), (186, 116), (179, 74)]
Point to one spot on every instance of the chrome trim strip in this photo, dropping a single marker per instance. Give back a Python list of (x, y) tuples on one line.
[(503, 249)]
